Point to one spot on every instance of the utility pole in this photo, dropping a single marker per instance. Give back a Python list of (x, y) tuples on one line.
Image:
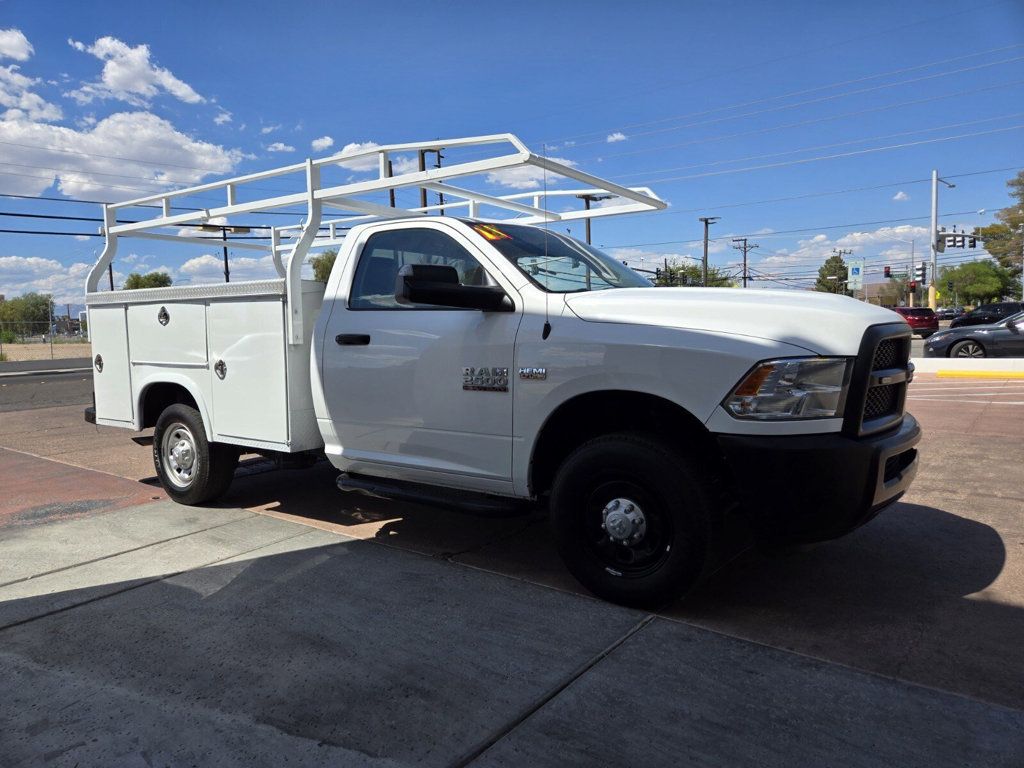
[(744, 247), (708, 221), (840, 252), (224, 229)]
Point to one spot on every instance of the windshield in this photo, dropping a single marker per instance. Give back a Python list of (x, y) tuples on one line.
[(1018, 319), (556, 262)]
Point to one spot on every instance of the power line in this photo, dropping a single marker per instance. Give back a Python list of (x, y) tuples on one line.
[(831, 146), (813, 121), (803, 161), (831, 46), (792, 231), (808, 102)]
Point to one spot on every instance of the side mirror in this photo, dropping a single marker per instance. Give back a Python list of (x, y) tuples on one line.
[(439, 286), (1013, 327)]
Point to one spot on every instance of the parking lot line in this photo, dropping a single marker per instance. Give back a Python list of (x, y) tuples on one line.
[(949, 374)]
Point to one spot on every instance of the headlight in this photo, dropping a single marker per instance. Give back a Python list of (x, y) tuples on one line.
[(794, 388)]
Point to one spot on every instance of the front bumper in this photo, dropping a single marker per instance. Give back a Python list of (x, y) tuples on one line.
[(806, 488)]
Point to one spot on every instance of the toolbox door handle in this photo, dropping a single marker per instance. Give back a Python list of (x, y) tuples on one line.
[(352, 339)]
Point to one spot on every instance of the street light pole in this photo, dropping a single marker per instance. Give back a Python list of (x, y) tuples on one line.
[(587, 200), (708, 221), (935, 234)]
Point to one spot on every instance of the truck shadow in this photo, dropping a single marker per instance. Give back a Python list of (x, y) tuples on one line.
[(914, 594)]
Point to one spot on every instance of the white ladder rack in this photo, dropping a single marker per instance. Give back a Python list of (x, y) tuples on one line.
[(314, 231)]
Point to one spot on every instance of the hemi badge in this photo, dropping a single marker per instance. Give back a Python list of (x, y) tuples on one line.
[(533, 373)]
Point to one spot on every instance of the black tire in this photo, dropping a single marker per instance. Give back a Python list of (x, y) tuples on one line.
[(200, 471), (967, 348), (677, 504)]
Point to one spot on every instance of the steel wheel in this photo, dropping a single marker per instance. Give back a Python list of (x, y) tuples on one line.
[(628, 533), (178, 452), (968, 348)]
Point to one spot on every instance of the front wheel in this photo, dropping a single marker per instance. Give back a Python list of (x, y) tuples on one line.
[(632, 519), (967, 348), (191, 469)]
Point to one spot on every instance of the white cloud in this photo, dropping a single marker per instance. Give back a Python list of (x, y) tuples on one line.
[(885, 242), (901, 196), (129, 75), (27, 274), (209, 268), (324, 142), (22, 103), (14, 45), (611, 138), (269, 129), (222, 117), (92, 162), (527, 176), (279, 146), (368, 163)]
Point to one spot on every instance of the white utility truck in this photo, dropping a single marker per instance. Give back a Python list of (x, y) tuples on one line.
[(480, 361)]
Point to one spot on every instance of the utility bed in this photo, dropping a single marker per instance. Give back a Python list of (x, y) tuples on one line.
[(225, 343)]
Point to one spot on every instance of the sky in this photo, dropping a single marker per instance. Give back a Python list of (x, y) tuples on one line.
[(805, 126)]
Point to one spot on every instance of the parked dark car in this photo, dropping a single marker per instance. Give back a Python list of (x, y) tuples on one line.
[(988, 314), (949, 313), (1003, 339), (922, 320)]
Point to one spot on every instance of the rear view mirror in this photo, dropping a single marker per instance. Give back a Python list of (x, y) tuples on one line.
[(439, 286)]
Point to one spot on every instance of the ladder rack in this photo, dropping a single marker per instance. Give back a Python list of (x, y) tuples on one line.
[(290, 244)]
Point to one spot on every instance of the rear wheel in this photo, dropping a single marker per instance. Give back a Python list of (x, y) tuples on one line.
[(967, 348), (632, 518), (191, 469)]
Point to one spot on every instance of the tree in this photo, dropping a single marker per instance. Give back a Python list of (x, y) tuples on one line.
[(27, 314), (1005, 240), (149, 280), (976, 282), (689, 274), (832, 276), (322, 265)]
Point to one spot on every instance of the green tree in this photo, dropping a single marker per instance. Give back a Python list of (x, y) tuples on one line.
[(322, 265), (27, 314), (149, 280), (832, 276), (689, 274), (1005, 239), (976, 282)]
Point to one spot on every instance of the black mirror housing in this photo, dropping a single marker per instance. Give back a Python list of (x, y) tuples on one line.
[(438, 285)]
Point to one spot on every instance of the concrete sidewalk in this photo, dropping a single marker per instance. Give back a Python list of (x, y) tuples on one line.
[(161, 634)]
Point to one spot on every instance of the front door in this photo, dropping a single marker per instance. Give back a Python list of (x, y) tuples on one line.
[(420, 388)]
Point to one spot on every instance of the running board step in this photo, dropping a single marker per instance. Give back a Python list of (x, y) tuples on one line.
[(451, 498)]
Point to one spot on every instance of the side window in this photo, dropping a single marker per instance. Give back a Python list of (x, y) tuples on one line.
[(373, 286)]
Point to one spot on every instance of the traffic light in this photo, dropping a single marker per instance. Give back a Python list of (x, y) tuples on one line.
[(912, 285), (949, 285), (920, 271), (887, 271), (940, 242)]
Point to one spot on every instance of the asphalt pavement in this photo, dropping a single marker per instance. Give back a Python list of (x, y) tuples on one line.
[(292, 623)]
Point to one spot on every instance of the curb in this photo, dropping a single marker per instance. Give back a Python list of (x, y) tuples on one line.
[(980, 374)]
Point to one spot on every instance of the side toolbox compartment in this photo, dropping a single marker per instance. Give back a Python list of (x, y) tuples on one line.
[(248, 377), (111, 373)]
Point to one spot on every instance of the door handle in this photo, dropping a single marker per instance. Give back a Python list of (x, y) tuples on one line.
[(352, 339)]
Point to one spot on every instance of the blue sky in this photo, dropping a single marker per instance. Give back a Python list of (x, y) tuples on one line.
[(750, 111)]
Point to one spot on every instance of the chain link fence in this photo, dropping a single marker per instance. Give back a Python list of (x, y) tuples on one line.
[(24, 340)]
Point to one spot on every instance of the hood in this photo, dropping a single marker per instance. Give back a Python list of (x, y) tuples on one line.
[(821, 323)]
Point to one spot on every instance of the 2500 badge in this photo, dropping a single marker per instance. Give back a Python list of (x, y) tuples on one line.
[(485, 379)]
